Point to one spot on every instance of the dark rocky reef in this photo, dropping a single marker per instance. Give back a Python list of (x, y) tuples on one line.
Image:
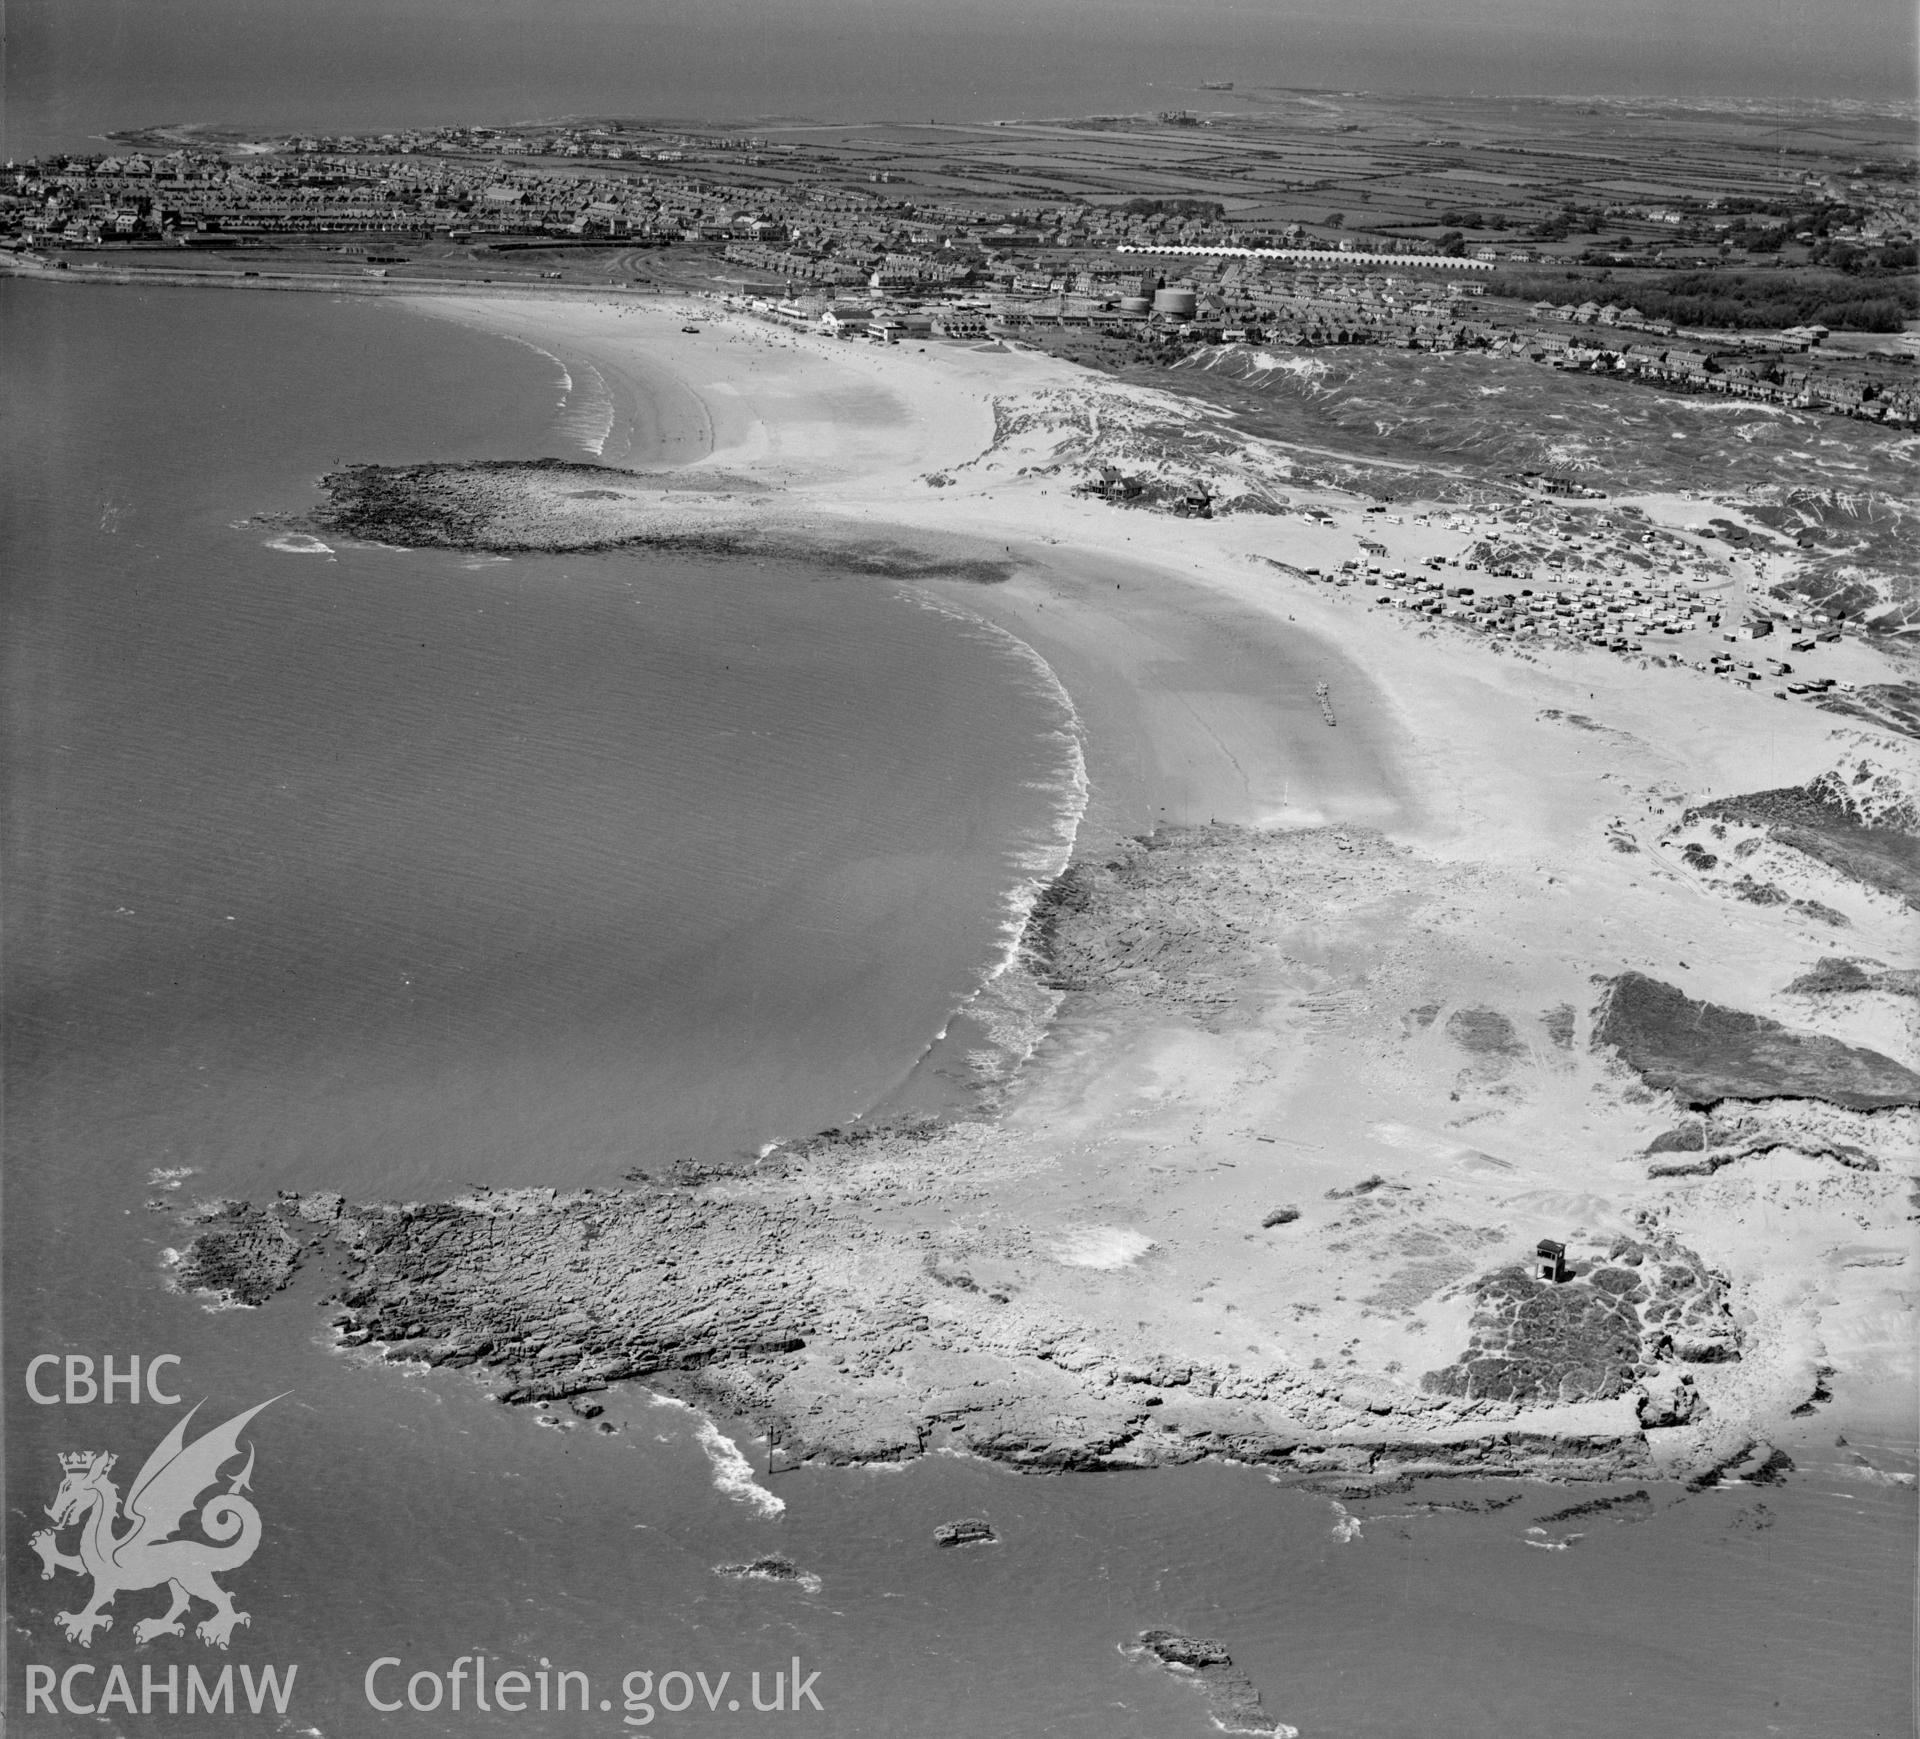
[(556, 1295), (772, 1567), (1233, 1701), (1592, 1337), (1633, 1500), (245, 1254), (971, 1531), (440, 506), (1703, 1053), (525, 506)]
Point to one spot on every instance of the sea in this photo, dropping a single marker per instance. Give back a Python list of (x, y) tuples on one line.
[(393, 872), (78, 68)]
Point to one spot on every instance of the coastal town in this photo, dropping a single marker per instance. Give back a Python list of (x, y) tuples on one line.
[(1780, 278)]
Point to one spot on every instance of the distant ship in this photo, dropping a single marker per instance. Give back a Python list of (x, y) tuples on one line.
[(1216, 84)]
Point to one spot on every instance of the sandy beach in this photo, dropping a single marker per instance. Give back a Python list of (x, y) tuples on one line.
[(1324, 1057)]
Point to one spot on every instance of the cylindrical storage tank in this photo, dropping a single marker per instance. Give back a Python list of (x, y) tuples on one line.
[(1176, 304), (1135, 304)]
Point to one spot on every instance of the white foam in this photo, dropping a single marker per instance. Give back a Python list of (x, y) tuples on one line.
[(733, 1472), (298, 543), (1005, 1001), (1042, 857), (589, 418), (566, 379)]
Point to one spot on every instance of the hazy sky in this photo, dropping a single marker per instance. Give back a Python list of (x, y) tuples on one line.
[(76, 67)]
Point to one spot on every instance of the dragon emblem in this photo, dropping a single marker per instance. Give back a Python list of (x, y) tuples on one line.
[(146, 1553)]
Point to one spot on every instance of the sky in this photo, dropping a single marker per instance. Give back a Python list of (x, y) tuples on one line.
[(75, 68)]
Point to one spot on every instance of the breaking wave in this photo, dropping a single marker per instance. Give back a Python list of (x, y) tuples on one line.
[(733, 1472), (1011, 1006)]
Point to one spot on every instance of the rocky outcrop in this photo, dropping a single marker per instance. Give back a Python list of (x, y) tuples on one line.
[(972, 1531), (1703, 1053), (784, 1310), (1739, 1128), (1664, 1398), (500, 505), (1594, 1336), (1233, 1700), (245, 1254), (510, 506), (555, 1295), (773, 1567)]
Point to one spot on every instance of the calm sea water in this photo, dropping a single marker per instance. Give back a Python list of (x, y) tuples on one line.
[(394, 872), (79, 67)]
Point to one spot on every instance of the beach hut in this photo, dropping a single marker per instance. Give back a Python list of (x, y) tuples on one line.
[(1550, 1260)]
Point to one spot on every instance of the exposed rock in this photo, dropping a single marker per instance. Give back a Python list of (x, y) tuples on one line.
[(971, 1531), (1703, 1053), (1703, 1166), (1279, 1217), (512, 505), (773, 1567), (558, 1294), (1590, 1338), (1633, 1500), (712, 1297), (1765, 1466), (245, 1254), (1233, 1701), (1665, 1397)]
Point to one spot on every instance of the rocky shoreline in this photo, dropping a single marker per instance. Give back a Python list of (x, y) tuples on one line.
[(843, 1295), (723, 1302), (570, 507)]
